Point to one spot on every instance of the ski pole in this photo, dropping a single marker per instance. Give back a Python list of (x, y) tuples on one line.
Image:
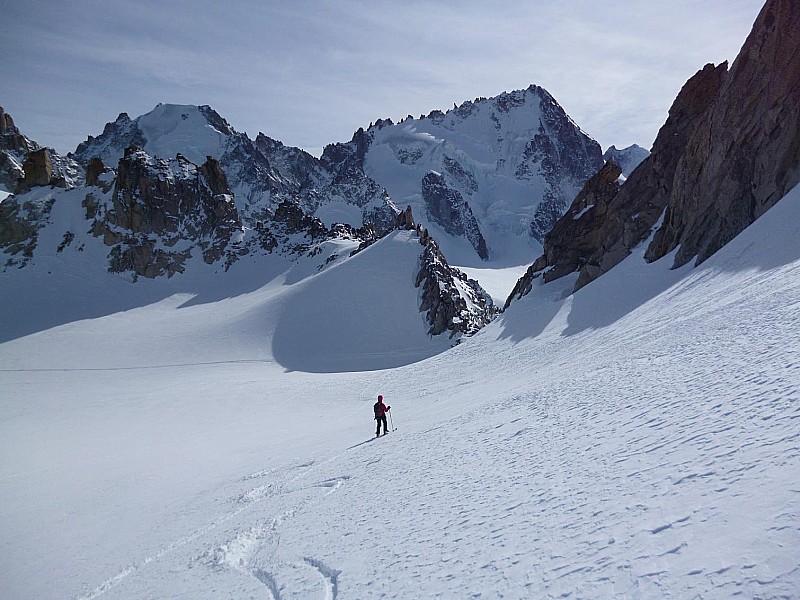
[(390, 419)]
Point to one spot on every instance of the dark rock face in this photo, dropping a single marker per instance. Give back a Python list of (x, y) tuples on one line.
[(576, 235), (593, 241), (744, 155), (405, 220), (563, 155), (19, 225), (10, 171), (94, 170), (295, 169), (448, 208), (345, 180), (443, 299), (156, 204), (116, 136), (38, 170)]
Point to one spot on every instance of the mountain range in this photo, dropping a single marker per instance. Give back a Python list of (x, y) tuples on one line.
[(179, 187), (194, 326)]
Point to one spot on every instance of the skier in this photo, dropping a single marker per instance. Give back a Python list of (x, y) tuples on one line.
[(380, 416)]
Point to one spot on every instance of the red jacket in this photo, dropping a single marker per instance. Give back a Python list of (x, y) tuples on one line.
[(380, 409)]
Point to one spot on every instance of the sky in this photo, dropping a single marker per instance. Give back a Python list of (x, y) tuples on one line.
[(311, 72)]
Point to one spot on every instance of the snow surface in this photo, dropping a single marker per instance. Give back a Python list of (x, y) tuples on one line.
[(637, 440), (499, 282)]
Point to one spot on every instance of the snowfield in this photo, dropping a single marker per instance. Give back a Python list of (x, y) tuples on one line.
[(640, 439)]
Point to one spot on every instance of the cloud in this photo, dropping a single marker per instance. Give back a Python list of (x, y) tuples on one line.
[(310, 72)]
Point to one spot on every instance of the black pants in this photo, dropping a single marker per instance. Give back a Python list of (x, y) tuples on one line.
[(381, 420)]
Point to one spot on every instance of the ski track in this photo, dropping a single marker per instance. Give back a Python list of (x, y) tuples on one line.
[(239, 551)]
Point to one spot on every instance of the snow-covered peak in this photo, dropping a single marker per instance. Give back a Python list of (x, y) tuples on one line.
[(514, 161), (477, 124), (168, 129), (627, 158), (194, 131)]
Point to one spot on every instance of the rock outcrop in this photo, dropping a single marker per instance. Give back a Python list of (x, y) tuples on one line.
[(38, 170), (452, 303), (450, 300), (19, 226), (163, 211), (447, 207), (94, 170), (345, 181)]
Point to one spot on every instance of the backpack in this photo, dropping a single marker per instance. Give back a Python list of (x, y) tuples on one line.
[(377, 409)]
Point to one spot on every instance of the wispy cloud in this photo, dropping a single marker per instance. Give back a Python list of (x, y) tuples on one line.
[(312, 71)]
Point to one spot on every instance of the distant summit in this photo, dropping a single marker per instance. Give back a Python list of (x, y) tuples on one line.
[(193, 131), (627, 158), (511, 164)]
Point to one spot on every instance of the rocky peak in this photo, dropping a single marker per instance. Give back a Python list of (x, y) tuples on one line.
[(14, 147), (405, 220), (216, 120), (521, 142), (6, 122), (11, 138), (346, 161)]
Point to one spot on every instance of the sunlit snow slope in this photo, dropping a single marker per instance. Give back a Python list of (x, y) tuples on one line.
[(639, 439)]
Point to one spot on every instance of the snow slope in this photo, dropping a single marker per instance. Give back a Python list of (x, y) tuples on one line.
[(636, 440)]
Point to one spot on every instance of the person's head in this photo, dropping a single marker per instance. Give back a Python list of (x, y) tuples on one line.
[(380, 398)]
